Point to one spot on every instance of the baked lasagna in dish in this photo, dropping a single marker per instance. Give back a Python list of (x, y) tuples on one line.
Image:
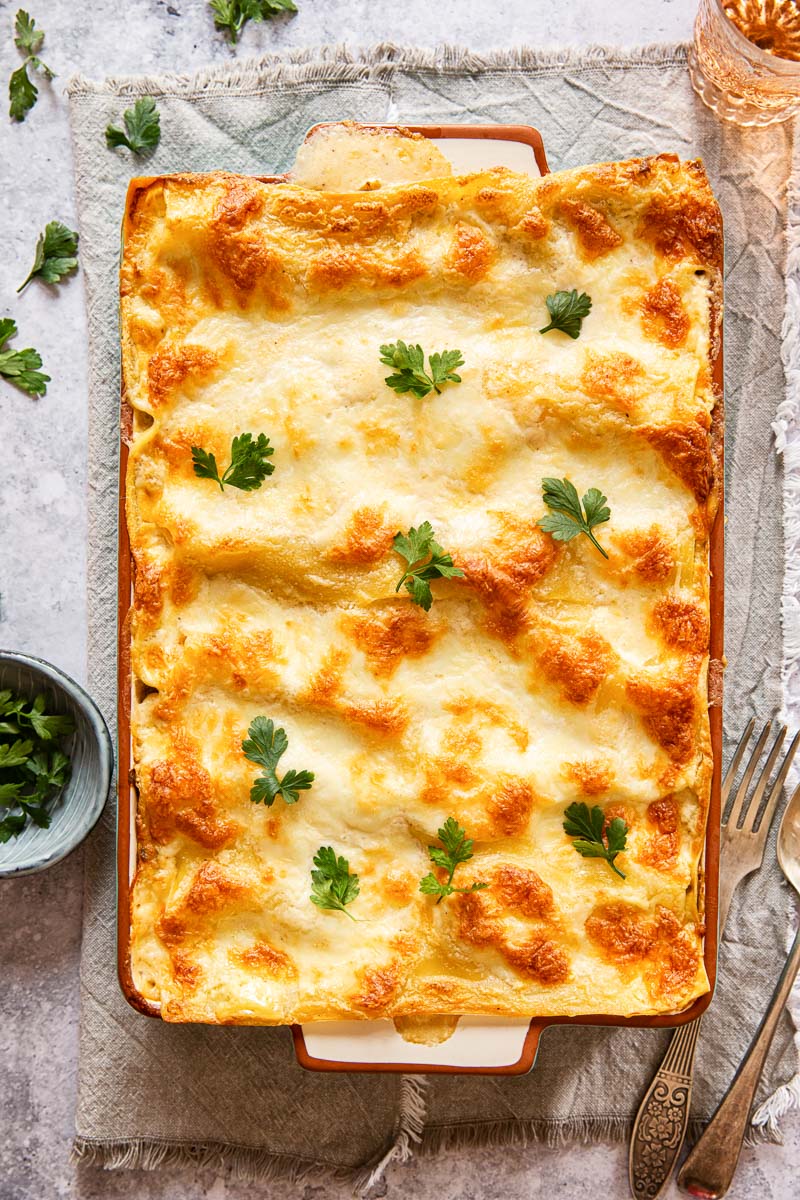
[(420, 485)]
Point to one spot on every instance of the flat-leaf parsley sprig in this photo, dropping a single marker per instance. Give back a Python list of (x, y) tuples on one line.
[(22, 91), (456, 848), (586, 826), (567, 310), (233, 15), (248, 466), (266, 745), (332, 884), (20, 715), (56, 254), (142, 127), (567, 518), (410, 374), (33, 767), (426, 560), (20, 367)]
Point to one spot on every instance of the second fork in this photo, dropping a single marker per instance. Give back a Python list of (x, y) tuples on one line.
[(660, 1124)]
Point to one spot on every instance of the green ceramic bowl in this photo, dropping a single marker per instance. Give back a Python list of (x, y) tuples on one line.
[(77, 810)]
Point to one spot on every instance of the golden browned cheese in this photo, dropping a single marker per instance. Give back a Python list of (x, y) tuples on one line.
[(546, 675)]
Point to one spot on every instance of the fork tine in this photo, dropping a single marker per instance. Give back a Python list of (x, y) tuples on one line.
[(741, 792), (777, 787), (751, 815), (733, 766)]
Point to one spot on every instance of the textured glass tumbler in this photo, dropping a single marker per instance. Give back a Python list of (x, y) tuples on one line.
[(740, 81)]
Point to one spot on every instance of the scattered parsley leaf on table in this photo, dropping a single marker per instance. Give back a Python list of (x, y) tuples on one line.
[(409, 365), (233, 15), (20, 367), (56, 254), (332, 885), (426, 560), (266, 745), (568, 519), (21, 94), (586, 826), (567, 310), (27, 37), (22, 91), (248, 466), (456, 848), (142, 127)]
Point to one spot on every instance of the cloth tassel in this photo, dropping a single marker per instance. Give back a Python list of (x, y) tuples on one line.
[(765, 1125), (408, 1133)]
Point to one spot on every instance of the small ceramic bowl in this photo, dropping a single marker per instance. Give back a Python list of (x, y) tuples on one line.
[(77, 810)]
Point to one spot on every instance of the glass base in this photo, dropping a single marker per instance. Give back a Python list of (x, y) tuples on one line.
[(733, 108)]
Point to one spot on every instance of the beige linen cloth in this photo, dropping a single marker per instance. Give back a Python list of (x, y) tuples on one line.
[(152, 1093)]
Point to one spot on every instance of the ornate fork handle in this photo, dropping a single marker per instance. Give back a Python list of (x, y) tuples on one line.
[(711, 1163), (660, 1124)]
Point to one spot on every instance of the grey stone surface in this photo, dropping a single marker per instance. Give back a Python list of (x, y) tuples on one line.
[(42, 570)]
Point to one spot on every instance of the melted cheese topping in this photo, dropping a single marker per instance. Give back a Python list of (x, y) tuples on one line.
[(546, 675), (351, 158)]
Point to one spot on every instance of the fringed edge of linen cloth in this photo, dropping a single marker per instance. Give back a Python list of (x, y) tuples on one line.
[(346, 64), (239, 1162), (250, 1163), (555, 1133), (786, 427), (547, 1132)]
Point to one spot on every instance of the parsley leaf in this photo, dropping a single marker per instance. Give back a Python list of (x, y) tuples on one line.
[(37, 813), (56, 254), (50, 771), (44, 726), (233, 15), (21, 367), (33, 769), (15, 754), (266, 745), (22, 91), (567, 519), (27, 38), (248, 466), (567, 310), (228, 15), (12, 825), (9, 704), (411, 376), (426, 560), (22, 95), (332, 885), (142, 127), (586, 826), (9, 792), (456, 848)]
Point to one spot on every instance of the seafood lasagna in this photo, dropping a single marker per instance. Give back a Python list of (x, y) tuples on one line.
[(549, 673)]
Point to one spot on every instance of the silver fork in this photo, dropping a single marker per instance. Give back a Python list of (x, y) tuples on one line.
[(660, 1125)]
